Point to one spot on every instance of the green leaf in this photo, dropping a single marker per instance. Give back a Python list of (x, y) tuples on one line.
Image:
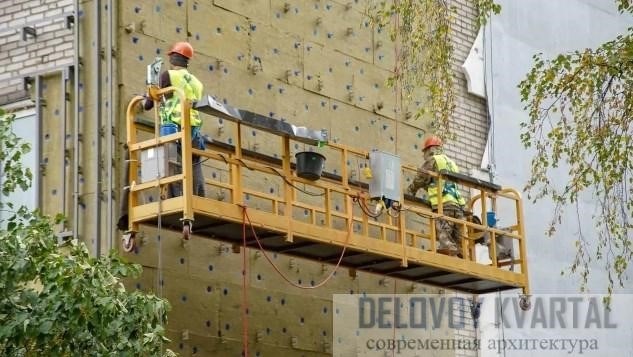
[(45, 327)]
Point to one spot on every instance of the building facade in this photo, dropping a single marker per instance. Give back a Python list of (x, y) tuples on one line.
[(71, 67)]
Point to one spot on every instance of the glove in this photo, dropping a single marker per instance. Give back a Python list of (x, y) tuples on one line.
[(140, 106)]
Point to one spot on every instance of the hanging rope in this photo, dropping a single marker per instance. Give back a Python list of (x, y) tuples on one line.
[(503, 333), (396, 71), (244, 287), (246, 218), (159, 276), (395, 282)]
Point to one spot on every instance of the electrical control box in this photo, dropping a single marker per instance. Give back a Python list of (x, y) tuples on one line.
[(386, 176), (159, 162)]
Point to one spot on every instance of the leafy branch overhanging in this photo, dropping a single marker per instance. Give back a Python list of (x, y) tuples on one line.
[(56, 299), (580, 109), (424, 70)]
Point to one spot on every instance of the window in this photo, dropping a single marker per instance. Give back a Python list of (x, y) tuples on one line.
[(25, 127)]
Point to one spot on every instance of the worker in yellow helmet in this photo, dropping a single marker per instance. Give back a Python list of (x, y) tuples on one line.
[(448, 233), (170, 110)]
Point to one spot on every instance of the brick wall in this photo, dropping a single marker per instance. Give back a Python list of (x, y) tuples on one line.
[(470, 121), (52, 47), (462, 311)]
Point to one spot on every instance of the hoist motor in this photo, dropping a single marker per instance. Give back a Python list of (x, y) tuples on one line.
[(153, 72)]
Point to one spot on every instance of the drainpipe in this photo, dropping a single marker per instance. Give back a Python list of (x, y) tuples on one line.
[(64, 85), (109, 125), (75, 194), (97, 132), (38, 142)]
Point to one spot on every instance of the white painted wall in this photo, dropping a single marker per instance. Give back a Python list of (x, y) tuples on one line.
[(522, 29)]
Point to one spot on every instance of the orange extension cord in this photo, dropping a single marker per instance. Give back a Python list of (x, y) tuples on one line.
[(245, 219)]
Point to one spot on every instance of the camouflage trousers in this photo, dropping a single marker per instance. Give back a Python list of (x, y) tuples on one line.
[(449, 233)]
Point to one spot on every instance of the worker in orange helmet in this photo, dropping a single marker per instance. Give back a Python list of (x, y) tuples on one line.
[(179, 76), (448, 233), (169, 112)]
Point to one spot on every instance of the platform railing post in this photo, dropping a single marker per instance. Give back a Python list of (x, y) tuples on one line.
[(187, 161), (522, 244), (133, 161), (493, 249), (466, 243), (433, 236), (492, 246), (349, 205), (484, 216), (344, 174), (403, 237), (236, 169), (288, 189), (328, 208)]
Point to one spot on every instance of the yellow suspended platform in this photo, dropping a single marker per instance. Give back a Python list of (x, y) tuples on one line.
[(327, 220)]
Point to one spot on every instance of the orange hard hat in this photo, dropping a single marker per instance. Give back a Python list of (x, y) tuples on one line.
[(182, 48), (431, 141)]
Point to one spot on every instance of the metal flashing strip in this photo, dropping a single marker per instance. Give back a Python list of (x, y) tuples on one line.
[(210, 106)]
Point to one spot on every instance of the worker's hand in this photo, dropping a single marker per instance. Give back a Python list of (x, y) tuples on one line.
[(412, 190), (143, 106), (140, 107)]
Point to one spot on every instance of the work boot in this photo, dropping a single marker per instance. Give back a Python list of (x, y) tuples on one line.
[(449, 249)]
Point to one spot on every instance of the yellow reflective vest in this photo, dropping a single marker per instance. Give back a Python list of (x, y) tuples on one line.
[(170, 110), (450, 193)]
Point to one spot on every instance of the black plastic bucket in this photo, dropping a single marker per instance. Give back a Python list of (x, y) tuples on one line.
[(309, 165)]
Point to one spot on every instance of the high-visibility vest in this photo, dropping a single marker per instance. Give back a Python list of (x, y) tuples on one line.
[(450, 193), (170, 110)]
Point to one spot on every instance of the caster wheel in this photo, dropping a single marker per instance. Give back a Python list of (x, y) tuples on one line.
[(186, 231), (524, 302), (129, 242)]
